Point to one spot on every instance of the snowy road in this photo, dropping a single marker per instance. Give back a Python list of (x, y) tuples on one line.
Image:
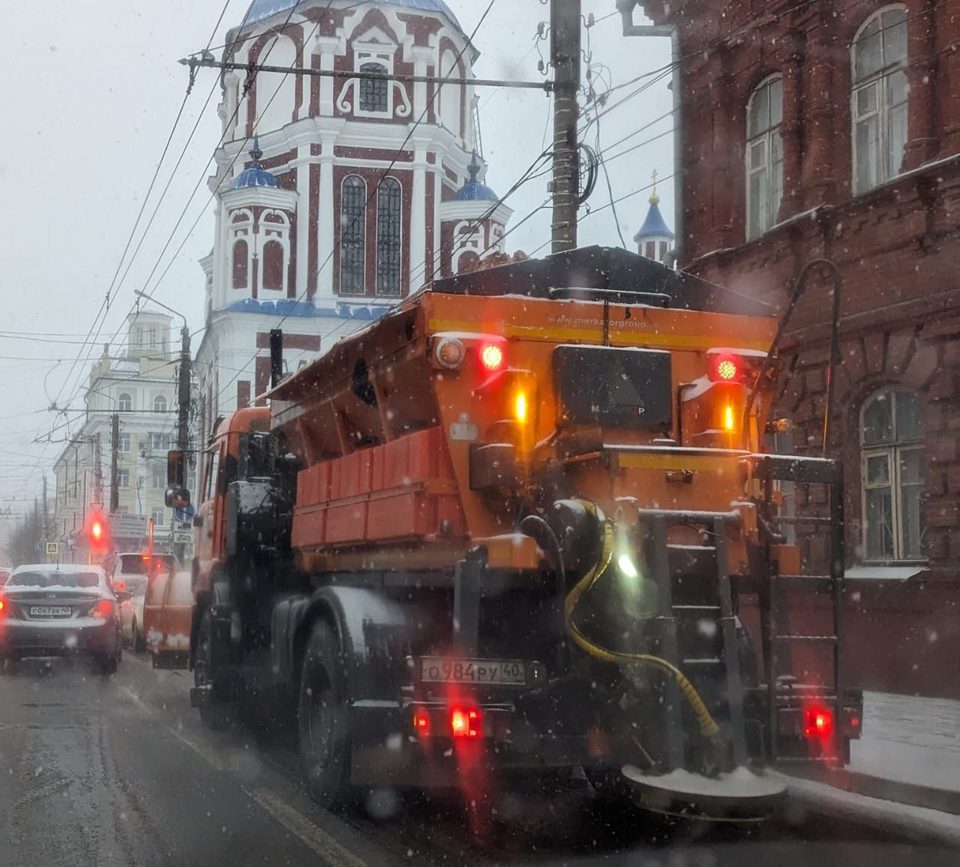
[(120, 771)]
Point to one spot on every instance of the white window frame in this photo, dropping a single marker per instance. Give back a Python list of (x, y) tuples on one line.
[(241, 229), (123, 478), (128, 401), (893, 451), (374, 52), (882, 111), (772, 196), (157, 401), (124, 444), (366, 214), (378, 290), (159, 510), (280, 233)]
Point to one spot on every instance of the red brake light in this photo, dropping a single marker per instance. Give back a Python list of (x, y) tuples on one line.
[(491, 357), (104, 608), (817, 722), (725, 367), (421, 722), (465, 722)]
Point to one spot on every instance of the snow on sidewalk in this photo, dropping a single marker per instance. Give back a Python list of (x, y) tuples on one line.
[(909, 739)]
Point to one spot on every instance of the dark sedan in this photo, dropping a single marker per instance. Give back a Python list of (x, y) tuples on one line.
[(61, 610)]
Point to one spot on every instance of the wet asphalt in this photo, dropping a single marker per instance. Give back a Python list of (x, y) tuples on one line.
[(119, 770)]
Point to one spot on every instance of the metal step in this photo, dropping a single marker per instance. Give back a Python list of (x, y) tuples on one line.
[(811, 638), (696, 608)]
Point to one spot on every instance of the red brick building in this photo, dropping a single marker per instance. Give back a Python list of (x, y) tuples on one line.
[(831, 128)]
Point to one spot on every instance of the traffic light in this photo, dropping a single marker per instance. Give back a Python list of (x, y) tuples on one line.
[(98, 534)]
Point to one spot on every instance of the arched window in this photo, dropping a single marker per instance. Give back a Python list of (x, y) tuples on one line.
[(276, 96), (160, 404), (389, 230), (893, 474), (879, 98), (764, 156), (273, 265), (451, 94), (241, 264), (374, 92), (353, 235), (124, 403)]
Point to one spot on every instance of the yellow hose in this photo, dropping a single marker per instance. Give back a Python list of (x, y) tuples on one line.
[(708, 726)]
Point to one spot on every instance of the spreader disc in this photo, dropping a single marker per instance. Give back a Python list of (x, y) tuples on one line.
[(740, 796)]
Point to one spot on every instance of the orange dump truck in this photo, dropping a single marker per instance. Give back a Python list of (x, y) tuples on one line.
[(505, 532)]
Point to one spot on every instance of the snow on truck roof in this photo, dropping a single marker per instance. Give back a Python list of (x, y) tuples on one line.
[(611, 274)]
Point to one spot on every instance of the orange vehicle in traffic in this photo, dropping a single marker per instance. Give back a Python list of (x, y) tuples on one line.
[(506, 530), (167, 610)]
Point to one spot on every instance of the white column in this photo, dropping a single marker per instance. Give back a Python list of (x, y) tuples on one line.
[(327, 48), (418, 219), (422, 56), (326, 223), (437, 198), (303, 220)]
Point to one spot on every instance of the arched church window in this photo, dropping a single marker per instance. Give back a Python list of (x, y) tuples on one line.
[(273, 265), (241, 264), (389, 230), (353, 235)]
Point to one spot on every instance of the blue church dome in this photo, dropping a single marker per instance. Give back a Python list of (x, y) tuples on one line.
[(263, 9), (256, 175), (473, 190), (654, 226)]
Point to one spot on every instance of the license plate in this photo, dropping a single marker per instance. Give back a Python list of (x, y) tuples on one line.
[(492, 672), (50, 611)]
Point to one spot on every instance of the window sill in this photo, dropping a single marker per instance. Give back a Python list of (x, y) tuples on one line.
[(868, 572)]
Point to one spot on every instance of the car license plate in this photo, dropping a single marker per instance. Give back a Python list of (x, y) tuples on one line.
[(491, 672), (50, 611)]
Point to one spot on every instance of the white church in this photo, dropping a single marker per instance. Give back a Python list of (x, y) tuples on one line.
[(327, 213)]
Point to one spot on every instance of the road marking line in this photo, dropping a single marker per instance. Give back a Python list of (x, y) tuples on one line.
[(313, 836), (139, 702)]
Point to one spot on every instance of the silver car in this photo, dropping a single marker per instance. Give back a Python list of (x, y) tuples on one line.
[(63, 610)]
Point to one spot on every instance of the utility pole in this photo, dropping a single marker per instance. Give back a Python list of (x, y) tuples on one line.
[(45, 526), (183, 407), (97, 472), (565, 18), (115, 465)]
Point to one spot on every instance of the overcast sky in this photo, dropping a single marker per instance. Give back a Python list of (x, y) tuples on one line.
[(90, 90)]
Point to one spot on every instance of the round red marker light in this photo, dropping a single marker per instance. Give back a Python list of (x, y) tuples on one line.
[(491, 356)]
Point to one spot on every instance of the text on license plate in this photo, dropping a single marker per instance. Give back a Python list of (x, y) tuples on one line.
[(501, 672), (50, 611)]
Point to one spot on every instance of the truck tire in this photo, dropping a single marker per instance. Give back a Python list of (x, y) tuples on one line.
[(139, 642), (324, 720), (214, 713)]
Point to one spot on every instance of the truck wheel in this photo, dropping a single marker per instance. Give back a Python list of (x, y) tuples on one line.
[(139, 642), (107, 665), (214, 713), (323, 719)]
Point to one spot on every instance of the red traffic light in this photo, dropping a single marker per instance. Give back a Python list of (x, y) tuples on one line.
[(96, 530)]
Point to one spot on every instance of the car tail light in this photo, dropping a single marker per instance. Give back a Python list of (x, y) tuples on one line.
[(818, 722), (104, 608), (3, 608), (421, 722), (491, 357), (465, 722)]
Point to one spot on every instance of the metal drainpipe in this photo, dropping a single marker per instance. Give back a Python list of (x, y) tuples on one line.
[(630, 29)]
